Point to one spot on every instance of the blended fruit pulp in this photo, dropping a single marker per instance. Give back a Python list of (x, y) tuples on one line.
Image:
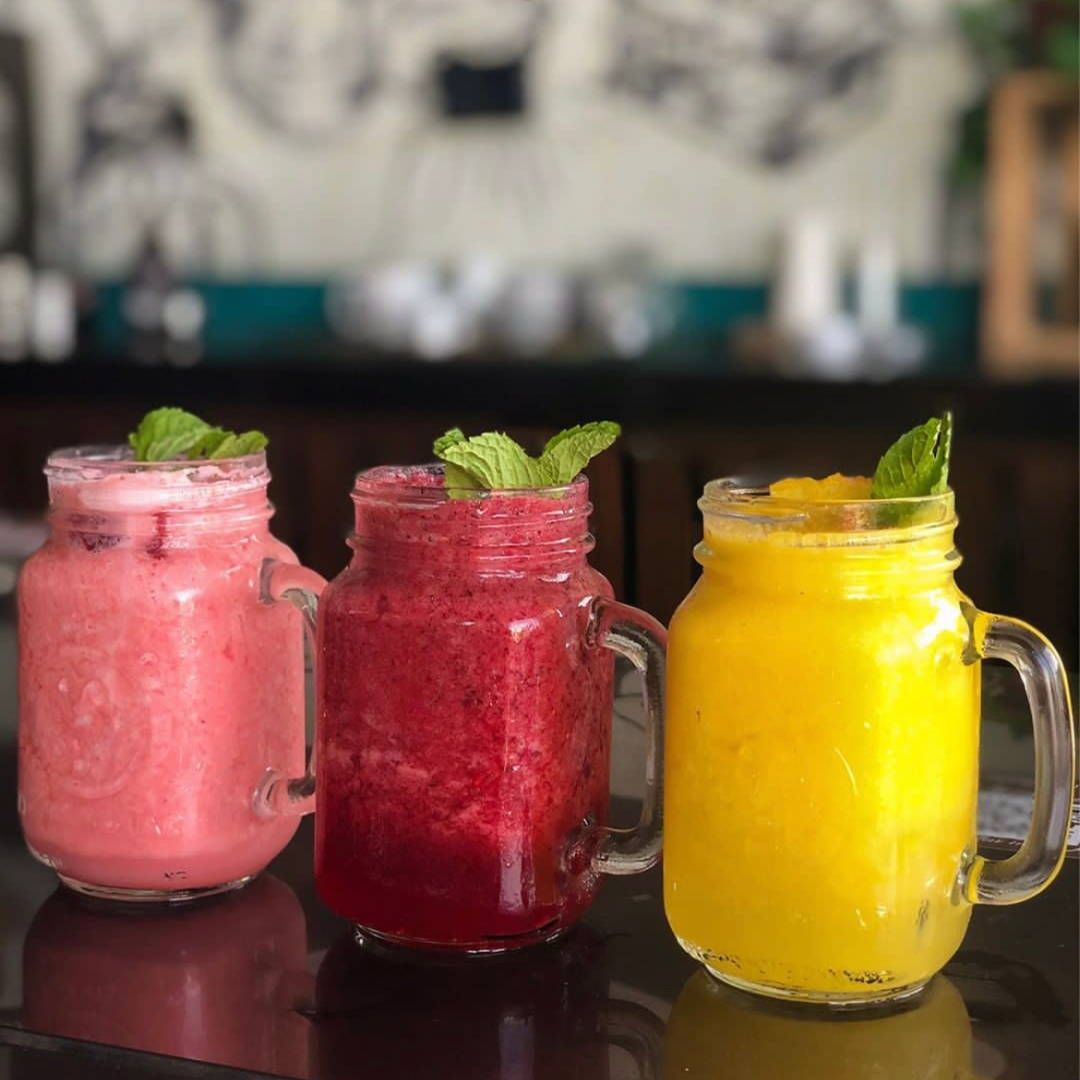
[(822, 759), (155, 690), (464, 723)]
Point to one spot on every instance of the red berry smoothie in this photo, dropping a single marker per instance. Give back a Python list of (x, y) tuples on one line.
[(464, 721)]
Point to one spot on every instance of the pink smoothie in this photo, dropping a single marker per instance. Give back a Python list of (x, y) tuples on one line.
[(155, 689), (464, 721)]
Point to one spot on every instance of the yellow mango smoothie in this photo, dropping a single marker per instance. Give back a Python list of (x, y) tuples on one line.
[(822, 742), (822, 749)]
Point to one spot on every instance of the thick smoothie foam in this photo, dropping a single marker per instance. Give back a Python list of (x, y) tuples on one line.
[(464, 724), (155, 689)]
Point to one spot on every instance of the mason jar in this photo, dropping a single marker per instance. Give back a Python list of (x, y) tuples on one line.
[(465, 664), (823, 748), (157, 689)]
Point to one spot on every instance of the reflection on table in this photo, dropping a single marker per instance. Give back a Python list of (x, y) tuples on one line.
[(541, 1014), (213, 982), (716, 1033)]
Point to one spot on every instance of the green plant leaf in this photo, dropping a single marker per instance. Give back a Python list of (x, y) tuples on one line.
[(454, 436), (169, 433), (459, 483), (233, 445), (207, 443), (567, 453), (917, 463), (944, 453), (1063, 51), (166, 433), (493, 460)]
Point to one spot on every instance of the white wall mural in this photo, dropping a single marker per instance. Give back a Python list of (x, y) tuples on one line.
[(304, 76), (303, 137), (777, 80)]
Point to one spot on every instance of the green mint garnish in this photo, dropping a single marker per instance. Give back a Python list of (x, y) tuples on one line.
[(917, 463), (495, 461), (567, 453), (169, 434), (492, 460), (238, 445), (457, 479)]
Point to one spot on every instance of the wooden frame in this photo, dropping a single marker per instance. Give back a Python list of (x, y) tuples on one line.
[(1015, 342)]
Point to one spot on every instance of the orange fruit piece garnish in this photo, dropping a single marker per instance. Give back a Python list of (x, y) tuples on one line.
[(835, 488)]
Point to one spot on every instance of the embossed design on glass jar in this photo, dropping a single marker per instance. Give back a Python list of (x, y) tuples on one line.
[(156, 688)]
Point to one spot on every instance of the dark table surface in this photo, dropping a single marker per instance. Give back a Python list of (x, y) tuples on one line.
[(267, 981)]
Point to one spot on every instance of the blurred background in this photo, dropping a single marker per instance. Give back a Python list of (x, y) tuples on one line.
[(767, 236)]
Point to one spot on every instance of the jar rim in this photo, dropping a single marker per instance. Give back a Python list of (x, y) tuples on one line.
[(402, 508), (97, 461), (751, 504), (419, 486)]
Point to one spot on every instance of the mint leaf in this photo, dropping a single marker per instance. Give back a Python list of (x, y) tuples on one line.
[(567, 453), (166, 433), (458, 480), (207, 443), (454, 436), (944, 451), (917, 463), (247, 442), (493, 460), (169, 434)]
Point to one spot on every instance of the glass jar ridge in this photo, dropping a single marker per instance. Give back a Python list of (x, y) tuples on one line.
[(102, 490), (741, 508), (401, 511), (869, 546)]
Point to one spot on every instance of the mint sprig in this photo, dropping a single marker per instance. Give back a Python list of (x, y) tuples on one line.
[(917, 464), (457, 479), (495, 461), (567, 453), (170, 434)]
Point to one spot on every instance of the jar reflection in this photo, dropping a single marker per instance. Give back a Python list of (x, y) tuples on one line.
[(216, 982), (716, 1033), (540, 1014)]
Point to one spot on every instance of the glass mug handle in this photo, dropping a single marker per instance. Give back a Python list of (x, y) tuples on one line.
[(638, 1031), (1039, 858), (296, 585), (639, 638)]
